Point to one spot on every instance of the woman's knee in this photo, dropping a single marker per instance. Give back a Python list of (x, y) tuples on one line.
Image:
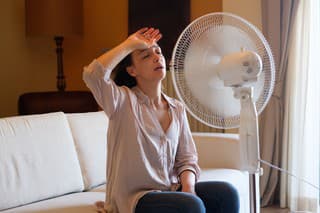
[(220, 195), (216, 187), (192, 203)]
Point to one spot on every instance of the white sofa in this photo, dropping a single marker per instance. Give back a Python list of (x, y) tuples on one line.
[(55, 162)]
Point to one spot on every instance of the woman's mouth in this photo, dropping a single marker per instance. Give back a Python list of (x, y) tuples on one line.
[(158, 68)]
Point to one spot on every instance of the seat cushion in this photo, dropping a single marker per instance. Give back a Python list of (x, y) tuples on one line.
[(82, 202), (89, 131), (38, 159), (101, 188)]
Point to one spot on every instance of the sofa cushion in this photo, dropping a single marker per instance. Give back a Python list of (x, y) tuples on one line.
[(37, 159), (82, 202), (90, 136), (100, 188)]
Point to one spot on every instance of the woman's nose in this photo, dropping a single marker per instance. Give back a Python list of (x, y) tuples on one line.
[(156, 57)]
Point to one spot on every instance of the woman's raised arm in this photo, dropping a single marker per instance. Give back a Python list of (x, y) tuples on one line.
[(142, 39)]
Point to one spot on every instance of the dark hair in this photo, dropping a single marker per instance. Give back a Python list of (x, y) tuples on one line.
[(122, 77)]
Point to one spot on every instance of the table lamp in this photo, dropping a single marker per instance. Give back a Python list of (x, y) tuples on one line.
[(57, 19)]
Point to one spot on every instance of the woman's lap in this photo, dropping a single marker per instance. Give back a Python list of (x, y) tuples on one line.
[(169, 202), (211, 197)]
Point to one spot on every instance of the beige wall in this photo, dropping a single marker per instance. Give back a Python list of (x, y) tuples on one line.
[(202, 7), (26, 64), (29, 64), (247, 9)]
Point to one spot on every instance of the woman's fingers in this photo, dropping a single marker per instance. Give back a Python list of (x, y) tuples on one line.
[(148, 32), (152, 35), (142, 30), (158, 37), (145, 37)]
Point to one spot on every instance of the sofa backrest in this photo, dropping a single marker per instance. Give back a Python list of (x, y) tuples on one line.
[(38, 159), (218, 150), (89, 132)]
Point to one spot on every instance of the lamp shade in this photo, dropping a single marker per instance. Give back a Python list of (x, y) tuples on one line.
[(54, 17)]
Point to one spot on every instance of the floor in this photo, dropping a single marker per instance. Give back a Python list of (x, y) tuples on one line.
[(274, 209)]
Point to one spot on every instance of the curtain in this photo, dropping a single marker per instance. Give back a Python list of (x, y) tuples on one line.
[(301, 134), (276, 23)]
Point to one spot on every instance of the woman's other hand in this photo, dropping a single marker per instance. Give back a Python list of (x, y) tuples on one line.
[(187, 179)]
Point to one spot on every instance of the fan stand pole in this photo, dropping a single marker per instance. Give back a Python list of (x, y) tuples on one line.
[(254, 203), (249, 143)]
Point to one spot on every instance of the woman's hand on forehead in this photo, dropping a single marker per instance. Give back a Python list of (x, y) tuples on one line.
[(145, 38), (150, 34)]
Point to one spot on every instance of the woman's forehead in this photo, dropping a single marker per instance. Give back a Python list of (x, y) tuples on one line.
[(155, 46)]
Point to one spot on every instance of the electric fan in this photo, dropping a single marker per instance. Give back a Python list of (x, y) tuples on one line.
[(223, 71)]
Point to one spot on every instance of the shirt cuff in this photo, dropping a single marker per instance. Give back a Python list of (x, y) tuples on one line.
[(191, 169)]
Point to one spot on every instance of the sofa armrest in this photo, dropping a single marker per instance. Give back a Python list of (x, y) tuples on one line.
[(217, 150), (218, 153)]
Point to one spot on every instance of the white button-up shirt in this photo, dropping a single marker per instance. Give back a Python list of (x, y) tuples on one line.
[(141, 156)]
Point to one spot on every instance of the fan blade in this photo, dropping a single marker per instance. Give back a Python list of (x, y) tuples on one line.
[(201, 69)]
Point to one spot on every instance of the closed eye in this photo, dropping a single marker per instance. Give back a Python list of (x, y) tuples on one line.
[(145, 56), (158, 51)]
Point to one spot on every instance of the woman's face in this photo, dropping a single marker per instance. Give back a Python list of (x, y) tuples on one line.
[(148, 65)]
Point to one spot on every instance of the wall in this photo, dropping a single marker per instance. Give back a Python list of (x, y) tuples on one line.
[(247, 9), (29, 64)]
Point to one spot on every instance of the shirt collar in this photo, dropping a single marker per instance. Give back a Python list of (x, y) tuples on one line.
[(143, 98)]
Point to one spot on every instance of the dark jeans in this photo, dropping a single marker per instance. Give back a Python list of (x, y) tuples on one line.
[(212, 197)]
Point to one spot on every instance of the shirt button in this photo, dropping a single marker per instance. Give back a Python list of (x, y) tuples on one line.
[(163, 138)]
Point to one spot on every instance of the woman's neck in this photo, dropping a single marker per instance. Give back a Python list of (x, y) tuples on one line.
[(153, 92)]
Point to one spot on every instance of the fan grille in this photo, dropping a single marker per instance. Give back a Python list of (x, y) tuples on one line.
[(202, 43)]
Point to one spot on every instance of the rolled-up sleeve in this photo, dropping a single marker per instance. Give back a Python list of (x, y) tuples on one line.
[(107, 94), (186, 156)]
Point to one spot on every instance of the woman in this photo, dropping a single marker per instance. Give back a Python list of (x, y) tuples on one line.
[(151, 160)]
